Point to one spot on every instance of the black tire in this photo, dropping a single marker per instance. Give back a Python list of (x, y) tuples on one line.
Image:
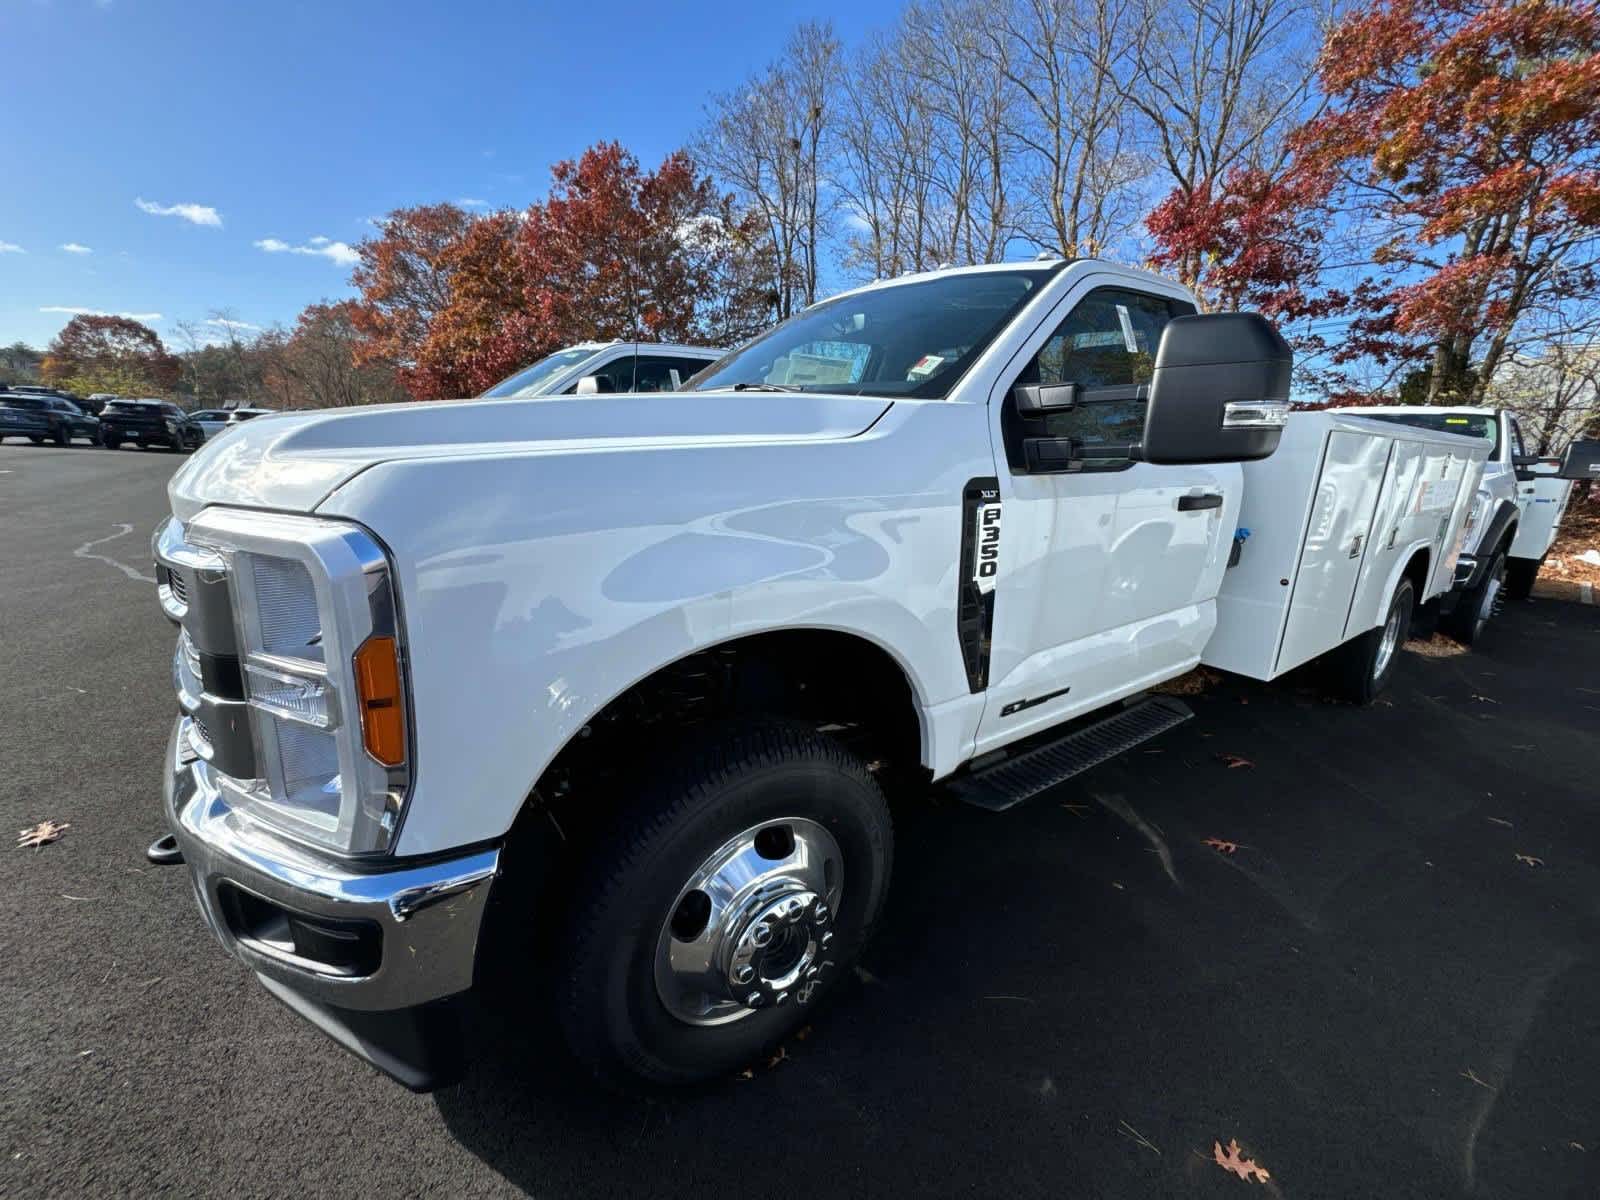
[(110, 441), (1521, 573), (36, 439), (62, 438), (711, 789), (1361, 668), (1480, 604)]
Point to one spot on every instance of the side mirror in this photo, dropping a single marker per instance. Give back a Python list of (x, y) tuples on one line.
[(1581, 461), (1220, 390), (594, 385)]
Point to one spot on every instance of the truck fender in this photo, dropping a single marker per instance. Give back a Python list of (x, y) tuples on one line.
[(1502, 527), (1378, 603)]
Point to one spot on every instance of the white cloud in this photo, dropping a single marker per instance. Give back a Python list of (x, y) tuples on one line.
[(195, 214), (10, 247), (76, 248), (74, 310), (321, 247), (225, 323), (472, 202)]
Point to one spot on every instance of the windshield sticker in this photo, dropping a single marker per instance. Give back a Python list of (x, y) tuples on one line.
[(924, 366), (1130, 342)]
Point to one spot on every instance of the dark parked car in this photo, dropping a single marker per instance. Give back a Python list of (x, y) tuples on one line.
[(148, 423), (63, 420), (20, 421)]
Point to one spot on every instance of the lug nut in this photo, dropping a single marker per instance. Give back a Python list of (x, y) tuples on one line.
[(826, 938), (743, 973), (813, 972), (782, 997), (820, 913), (761, 934), (754, 1000)]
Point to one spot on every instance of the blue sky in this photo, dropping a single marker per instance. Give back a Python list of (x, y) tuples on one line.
[(240, 123)]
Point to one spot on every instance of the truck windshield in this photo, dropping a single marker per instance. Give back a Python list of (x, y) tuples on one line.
[(899, 340), (530, 380), (1478, 425)]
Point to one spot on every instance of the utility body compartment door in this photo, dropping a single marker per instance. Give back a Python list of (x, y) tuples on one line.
[(1337, 541)]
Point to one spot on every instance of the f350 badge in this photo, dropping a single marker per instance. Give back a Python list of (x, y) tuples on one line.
[(986, 562)]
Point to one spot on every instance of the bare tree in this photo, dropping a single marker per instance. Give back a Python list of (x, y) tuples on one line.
[(883, 162), (1069, 62), (768, 139)]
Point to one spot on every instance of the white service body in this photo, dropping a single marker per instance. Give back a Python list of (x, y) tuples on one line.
[(1334, 517)]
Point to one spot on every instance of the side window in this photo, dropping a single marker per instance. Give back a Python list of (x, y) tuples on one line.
[(618, 373), (654, 374), (1107, 346)]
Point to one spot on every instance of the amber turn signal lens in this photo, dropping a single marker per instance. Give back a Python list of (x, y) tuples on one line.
[(383, 714)]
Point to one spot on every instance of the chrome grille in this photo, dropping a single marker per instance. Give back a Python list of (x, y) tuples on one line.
[(180, 590)]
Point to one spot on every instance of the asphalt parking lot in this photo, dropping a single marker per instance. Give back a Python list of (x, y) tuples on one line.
[(1379, 977)]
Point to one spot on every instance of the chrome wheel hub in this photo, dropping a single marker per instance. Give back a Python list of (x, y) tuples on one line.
[(753, 925), (1386, 645)]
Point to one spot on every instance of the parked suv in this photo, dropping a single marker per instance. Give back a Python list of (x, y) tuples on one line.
[(63, 420), (601, 367), (18, 420), (147, 423)]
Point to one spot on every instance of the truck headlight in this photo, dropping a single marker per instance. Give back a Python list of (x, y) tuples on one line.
[(319, 643)]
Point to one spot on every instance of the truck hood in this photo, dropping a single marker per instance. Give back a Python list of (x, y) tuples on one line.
[(292, 462)]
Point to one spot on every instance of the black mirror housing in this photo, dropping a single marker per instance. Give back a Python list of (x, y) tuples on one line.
[(1036, 399), (1219, 392), (1581, 461)]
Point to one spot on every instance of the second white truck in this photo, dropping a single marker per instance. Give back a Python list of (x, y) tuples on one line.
[(615, 684)]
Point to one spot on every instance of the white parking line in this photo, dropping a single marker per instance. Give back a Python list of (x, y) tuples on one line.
[(123, 530)]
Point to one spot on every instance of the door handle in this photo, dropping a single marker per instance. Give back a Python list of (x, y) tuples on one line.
[(1198, 503)]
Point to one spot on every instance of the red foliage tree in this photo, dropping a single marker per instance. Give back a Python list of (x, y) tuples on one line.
[(112, 354), (1250, 235), (404, 278), (614, 253), (1466, 134)]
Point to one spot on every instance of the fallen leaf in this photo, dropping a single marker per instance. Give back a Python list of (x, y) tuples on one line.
[(41, 834), (802, 1033), (1528, 860), (1220, 846), (781, 1056), (745, 1074), (1235, 1162), (1234, 761)]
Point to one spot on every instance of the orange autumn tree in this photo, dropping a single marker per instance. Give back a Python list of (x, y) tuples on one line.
[(1463, 139)]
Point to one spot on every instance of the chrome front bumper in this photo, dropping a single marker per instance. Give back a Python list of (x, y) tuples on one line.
[(252, 887)]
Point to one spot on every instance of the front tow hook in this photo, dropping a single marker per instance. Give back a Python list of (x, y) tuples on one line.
[(164, 851)]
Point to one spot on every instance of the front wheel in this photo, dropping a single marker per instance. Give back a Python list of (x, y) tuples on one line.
[(110, 441), (36, 439), (1480, 604), (753, 868), (1364, 665)]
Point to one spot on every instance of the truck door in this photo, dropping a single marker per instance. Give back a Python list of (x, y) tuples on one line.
[(1525, 488), (1108, 571)]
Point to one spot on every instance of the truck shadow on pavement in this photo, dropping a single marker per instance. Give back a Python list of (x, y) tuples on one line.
[(1361, 943)]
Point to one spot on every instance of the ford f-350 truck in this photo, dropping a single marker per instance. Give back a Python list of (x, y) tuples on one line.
[(616, 683)]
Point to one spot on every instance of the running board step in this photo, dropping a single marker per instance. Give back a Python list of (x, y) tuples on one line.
[(1025, 775)]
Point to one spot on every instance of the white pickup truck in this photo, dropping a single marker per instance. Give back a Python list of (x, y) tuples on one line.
[(1514, 517), (615, 683)]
